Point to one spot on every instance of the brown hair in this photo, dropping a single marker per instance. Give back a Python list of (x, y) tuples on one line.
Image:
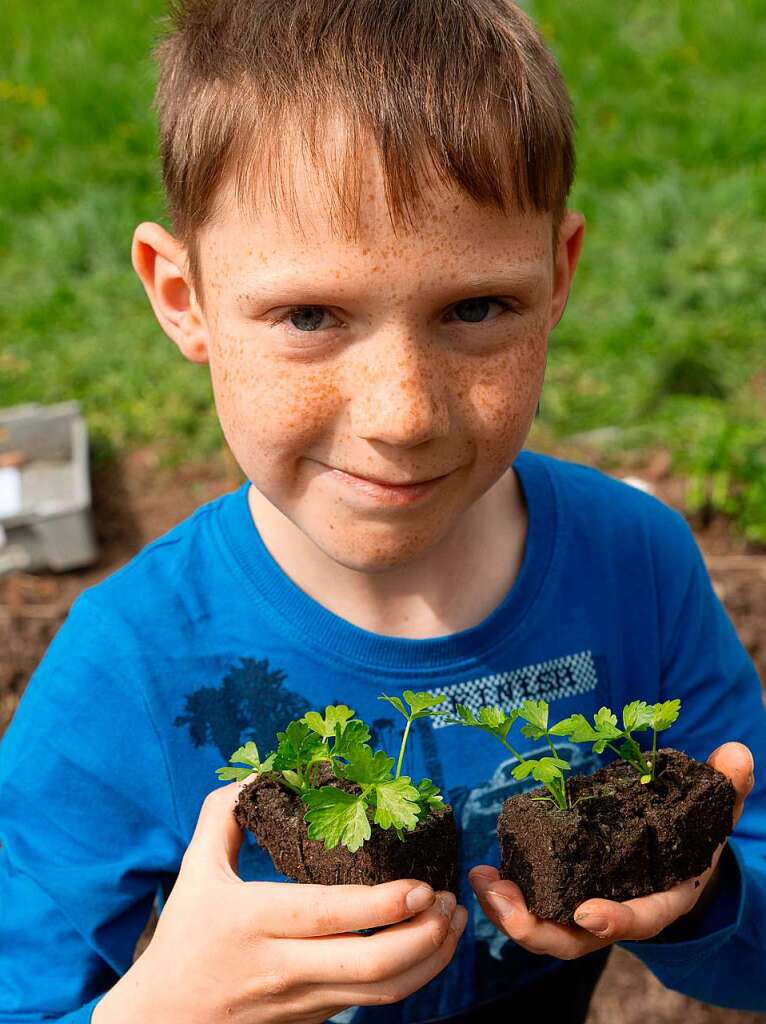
[(463, 88)]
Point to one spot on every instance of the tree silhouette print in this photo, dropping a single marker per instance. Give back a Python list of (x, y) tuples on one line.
[(251, 703)]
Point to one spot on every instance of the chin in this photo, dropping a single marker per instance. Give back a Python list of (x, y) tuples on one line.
[(373, 553)]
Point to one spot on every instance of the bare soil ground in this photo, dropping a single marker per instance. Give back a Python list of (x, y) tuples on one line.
[(136, 500)]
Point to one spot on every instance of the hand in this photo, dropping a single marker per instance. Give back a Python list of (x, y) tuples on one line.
[(602, 922), (260, 952)]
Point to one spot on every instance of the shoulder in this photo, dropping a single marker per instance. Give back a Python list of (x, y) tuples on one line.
[(605, 513), (165, 575)]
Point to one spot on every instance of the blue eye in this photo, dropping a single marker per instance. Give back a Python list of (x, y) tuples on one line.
[(305, 318), (474, 311)]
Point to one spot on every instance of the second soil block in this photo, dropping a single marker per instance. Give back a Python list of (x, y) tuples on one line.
[(628, 840)]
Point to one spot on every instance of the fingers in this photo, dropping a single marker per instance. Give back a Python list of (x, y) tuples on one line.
[(289, 911), (217, 836), (735, 761), (645, 916), (378, 957), (503, 903), (379, 993)]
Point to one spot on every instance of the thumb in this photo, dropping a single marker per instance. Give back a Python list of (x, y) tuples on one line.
[(735, 761), (217, 835)]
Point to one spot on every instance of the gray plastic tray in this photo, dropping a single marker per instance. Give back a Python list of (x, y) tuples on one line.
[(45, 518)]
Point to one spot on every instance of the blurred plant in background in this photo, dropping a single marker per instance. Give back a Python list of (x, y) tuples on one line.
[(664, 340)]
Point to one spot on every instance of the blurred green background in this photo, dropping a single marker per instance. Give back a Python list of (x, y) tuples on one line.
[(664, 340)]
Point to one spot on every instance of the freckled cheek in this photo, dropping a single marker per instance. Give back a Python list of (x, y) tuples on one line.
[(272, 412), (501, 399)]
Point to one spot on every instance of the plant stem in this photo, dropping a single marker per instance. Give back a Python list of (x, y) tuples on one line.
[(640, 764), (550, 744), (654, 753), (401, 749), (515, 753)]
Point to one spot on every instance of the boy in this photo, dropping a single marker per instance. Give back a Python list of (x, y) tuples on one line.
[(371, 248)]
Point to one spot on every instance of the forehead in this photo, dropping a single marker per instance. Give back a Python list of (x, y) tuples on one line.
[(448, 231)]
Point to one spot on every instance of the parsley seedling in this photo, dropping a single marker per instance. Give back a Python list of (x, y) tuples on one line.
[(421, 705), (496, 722), (636, 717), (340, 740)]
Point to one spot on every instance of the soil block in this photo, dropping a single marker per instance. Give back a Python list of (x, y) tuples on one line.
[(625, 840), (275, 815)]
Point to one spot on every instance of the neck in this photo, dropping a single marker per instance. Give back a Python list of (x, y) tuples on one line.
[(420, 599)]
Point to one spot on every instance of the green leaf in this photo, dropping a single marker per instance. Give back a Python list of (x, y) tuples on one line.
[(347, 739), (228, 773), (665, 714), (396, 803), (536, 713), (522, 769), (337, 817), (534, 732), (606, 723), (422, 701), (548, 769), (466, 716), (576, 727), (645, 779), (497, 718), (367, 768), (637, 716), (296, 745), (429, 794), (395, 702), (247, 754), (335, 714), (293, 780), (492, 720), (630, 751)]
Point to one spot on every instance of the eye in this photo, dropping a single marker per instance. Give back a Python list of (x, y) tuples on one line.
[(302, 319), (473, 311)]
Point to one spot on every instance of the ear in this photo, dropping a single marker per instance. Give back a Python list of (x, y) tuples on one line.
[(160, 262), (567, 254)]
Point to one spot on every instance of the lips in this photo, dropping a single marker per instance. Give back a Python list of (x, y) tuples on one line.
[(389, 483)]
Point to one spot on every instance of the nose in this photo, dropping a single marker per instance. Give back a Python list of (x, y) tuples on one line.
[(397, 393)]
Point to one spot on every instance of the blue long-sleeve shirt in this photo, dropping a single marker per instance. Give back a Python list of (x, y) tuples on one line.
[(202, 642)]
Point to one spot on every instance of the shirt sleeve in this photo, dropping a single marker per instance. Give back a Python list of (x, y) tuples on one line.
[(87, 824), (706, 666)]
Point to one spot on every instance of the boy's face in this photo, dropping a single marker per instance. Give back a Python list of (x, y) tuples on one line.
[(401, 359)]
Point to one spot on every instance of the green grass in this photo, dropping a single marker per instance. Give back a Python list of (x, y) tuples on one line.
[(665, 333)]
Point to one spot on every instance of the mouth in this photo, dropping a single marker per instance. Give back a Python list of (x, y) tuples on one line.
[(385, 491), (396, 484)]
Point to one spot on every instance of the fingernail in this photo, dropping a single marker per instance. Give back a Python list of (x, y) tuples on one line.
[(593, 923), (419, 898), (447, 903), (501, 906), (459, 918), (480, 882)]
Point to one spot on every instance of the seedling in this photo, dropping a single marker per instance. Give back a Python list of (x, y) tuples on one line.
[(421, 705), (636, 717), (548, 770), (339, 739)]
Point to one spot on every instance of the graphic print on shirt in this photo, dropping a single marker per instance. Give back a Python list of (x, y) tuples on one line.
[(252, 703)]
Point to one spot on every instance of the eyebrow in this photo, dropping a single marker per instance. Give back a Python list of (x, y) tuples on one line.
[(302, 289)]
